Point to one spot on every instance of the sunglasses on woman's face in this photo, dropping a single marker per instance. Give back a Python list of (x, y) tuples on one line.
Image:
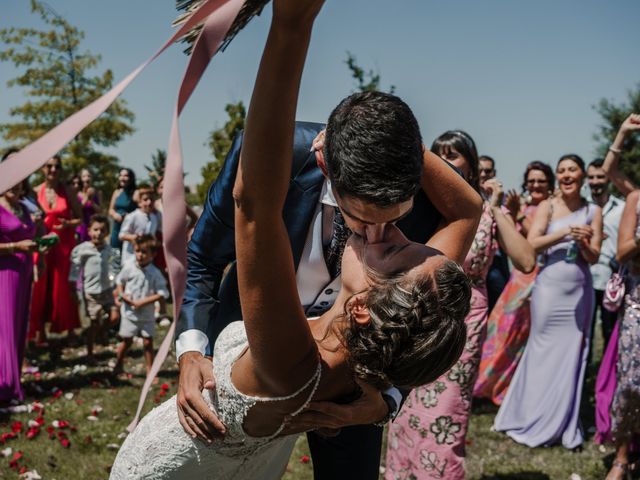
[(51, 166), (536, 182)]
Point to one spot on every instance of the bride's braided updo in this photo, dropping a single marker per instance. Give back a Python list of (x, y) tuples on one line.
[(417, 330)]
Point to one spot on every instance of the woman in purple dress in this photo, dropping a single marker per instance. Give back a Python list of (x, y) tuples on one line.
[(542, 404), (89, 201), (16, 270)]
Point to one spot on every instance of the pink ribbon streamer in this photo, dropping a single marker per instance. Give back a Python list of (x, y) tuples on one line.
[(173, 200), (22, 164), (219, 15)]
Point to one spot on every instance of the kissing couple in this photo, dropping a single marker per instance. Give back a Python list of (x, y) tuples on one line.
[(345, 275)]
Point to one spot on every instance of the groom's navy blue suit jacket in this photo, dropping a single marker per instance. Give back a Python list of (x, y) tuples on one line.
[(208, 305)]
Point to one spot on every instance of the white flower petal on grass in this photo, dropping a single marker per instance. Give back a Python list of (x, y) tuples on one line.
[(92, 418), (575, 476), (68, 395), (122, 435), (31, 475), (6, 452), (113, 446)]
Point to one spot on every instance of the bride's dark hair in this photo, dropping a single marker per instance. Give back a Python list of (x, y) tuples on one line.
[(417, 330)]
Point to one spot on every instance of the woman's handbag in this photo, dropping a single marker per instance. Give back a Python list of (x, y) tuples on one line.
[(614, 291)]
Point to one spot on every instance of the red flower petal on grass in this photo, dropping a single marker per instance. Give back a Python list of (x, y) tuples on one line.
[(164, 386), (57, 394), (65, 442), (7, 436), (16, 427), (22, 470), (304, 459), (40, 420), (79, 402), (33, 432)]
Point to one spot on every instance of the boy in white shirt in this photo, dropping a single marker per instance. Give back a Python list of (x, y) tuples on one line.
[(140, 284), (143, 220), (99, 264)]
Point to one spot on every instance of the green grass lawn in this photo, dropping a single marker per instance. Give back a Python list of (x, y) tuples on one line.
[(71, 391)]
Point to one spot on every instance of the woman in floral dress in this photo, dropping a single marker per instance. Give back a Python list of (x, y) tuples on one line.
[(510, 319), (427, 439), (625, 420)]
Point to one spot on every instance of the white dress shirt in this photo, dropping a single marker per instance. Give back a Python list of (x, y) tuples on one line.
[(611, 215)]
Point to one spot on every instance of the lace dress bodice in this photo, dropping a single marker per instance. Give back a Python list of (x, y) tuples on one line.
[(160, 448), (231, 405)]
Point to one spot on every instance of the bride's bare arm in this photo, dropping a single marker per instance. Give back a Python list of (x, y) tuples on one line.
[(282, 350)]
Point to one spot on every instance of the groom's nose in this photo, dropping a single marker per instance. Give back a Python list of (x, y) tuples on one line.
[(375, 233)]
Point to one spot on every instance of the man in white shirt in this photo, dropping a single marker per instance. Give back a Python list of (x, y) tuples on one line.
[(601, 271)]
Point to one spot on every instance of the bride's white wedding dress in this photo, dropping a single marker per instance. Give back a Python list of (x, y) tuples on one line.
[(160, 449)]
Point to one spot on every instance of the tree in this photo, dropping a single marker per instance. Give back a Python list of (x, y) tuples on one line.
[(156, 170), (612, 116), (220, 142), (366, 81), (57, 80)]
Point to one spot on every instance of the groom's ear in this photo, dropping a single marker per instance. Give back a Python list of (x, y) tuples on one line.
[(321, 163)]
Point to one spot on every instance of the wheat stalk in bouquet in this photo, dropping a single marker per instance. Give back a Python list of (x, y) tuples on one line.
[(250, 9)]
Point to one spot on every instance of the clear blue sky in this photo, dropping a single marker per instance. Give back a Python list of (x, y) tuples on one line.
[(520, 77)]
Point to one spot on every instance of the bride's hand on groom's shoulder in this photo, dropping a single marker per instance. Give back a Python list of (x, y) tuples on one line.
[(195, 416), (328, 417)]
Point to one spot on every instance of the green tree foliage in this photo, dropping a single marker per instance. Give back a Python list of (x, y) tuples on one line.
[(220, 142), (366, 81), (156, 169), (57, 79), (612, 117)]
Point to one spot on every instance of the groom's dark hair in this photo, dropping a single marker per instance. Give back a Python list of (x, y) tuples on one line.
[(373, 149)]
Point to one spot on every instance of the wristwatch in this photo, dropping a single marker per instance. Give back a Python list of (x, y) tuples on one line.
[(393, 407)]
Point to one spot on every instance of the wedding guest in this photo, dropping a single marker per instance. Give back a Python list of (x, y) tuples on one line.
[(625, 421), (191, 219), (90, 202), (122, 202), (17, 231), (510, 319), (499, 269), (543, 401), (140, 284), (428, 436), (601, 271), (96, 263), (143, 220), (52, 298)]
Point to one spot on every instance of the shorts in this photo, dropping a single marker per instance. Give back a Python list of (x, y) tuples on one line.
[(98, 304), (136, 328)]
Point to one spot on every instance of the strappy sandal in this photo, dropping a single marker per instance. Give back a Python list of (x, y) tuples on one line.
[(624, 467)]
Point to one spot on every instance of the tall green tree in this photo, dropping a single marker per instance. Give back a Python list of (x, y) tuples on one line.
[(156, 169), (366, 81), (220, 142), (612, 116), (58, 78)]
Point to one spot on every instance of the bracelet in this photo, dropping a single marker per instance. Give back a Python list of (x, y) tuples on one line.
[(391, 403), (617, 151)]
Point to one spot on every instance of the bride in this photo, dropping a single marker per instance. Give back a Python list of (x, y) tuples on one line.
[(398, 319)]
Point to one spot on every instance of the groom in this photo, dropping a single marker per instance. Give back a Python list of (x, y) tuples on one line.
[(371, 171)]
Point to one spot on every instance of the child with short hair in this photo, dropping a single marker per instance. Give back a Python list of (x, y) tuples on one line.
[(143, 220), (98, 264), (140, 284)]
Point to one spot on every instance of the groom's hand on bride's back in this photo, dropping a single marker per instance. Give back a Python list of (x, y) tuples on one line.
[(326, 417), (195, 416)]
